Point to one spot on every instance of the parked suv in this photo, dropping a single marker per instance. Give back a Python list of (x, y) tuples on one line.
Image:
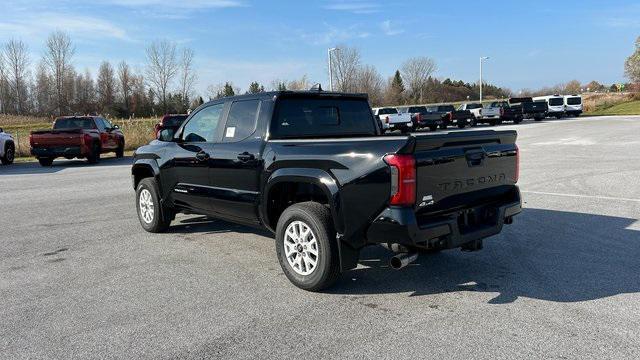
[(77, 137), (7, 148), (311, 167)]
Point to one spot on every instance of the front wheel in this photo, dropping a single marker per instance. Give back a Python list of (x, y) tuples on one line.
[(9, 154), (153, 217), (306, 246)]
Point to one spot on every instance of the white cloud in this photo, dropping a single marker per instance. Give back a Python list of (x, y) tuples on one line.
[(334, 35), (183, 4), (356, 7), (40, 24), (390, 29)]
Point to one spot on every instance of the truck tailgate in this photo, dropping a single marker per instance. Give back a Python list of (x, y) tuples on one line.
[(457, 169), (44, 138)]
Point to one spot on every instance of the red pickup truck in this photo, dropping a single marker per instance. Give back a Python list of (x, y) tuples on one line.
[(77, 137)]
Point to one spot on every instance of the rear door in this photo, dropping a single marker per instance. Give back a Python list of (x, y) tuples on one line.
[(193, 158), (235, 164)]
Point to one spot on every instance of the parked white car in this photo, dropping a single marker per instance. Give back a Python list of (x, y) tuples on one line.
[(573, 105), (555, 103), (482, 114), (7, 148), (390, 119)]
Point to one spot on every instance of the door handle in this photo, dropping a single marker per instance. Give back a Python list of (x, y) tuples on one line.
[(202, 156), (245, 156)]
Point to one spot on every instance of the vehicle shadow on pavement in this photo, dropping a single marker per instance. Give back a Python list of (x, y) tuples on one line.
[(29, 168), (547, 255)]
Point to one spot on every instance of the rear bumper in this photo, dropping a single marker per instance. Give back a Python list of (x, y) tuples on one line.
[(58, 151), (451, 230), (429, 122), (398, 125)]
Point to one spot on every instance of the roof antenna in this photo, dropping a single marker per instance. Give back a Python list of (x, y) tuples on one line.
[(316, 87)]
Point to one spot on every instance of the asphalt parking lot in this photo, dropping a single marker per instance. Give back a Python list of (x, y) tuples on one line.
[(79, 278)]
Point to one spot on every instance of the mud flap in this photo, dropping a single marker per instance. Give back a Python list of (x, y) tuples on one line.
[(348, 256)]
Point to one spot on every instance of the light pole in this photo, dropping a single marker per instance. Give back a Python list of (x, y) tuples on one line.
[(482, 58), (330, 73)]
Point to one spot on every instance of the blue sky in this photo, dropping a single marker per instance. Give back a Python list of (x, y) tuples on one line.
[(531, 44)]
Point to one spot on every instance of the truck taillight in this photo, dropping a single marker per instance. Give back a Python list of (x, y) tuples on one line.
[(419, 117), (450, 116), (86, 139), (517, 163), (403, 179)]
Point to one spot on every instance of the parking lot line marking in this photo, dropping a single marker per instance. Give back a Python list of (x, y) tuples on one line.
[(581, 196)]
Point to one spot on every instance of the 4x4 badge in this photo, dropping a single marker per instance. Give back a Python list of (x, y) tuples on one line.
[(427, 200)]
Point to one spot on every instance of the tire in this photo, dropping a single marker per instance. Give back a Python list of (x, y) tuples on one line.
[(302, 273), (9, 154), (94, 157), (433, 127), (45, 161), (517, 121), (152, 215), (492, 122), (461, 125), (473, 122), (443, 126), (120, 150)]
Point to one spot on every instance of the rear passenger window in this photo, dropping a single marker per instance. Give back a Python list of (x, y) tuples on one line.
[(241, 121)]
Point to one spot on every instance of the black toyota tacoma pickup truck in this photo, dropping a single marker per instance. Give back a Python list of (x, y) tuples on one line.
[(313, 168)]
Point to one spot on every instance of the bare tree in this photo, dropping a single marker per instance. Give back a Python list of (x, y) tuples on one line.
[(187, 76), (415, 73), (58, 54), (299, 84), (3, 85), (85, 93), (369, 81), (17, 58), (125, 85), (43, 90), (106, 84), (632, 64), (345, 64), (161, 68)]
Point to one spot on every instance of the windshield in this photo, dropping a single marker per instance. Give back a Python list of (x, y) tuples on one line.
[(574, 100), (556, 101), (387, 111), (318, 117), (74, 123)]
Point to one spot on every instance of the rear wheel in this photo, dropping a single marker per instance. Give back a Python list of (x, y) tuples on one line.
[(443, 126), (45, 161), (94, 157), (473, 122), (461, 125), (153, 217), (9, 154), (433, 127), (120, 150), (306, 246), (517, 120)]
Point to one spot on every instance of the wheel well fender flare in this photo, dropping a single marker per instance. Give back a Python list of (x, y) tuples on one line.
[(146, 167), (322, 179)]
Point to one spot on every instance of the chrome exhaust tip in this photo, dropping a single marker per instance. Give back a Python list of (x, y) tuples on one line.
[(401, 260)]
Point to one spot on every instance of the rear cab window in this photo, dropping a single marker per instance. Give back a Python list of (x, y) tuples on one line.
[(74, 123), (387, 111), (315, 117)]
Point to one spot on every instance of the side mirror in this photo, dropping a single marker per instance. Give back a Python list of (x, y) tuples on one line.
[(166, 135)]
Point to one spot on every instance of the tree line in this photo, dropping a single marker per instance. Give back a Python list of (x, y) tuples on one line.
[(52, 86), (56, 88)]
